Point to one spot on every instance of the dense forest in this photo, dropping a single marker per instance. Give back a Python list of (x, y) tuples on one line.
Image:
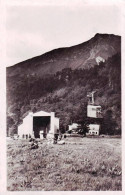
[(65, 93)]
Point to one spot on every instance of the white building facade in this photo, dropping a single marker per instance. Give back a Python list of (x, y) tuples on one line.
[(94, 111), (94, 129), (73, 126), (38, 124)]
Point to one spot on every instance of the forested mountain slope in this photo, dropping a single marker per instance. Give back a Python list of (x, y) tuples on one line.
[(60, 80)]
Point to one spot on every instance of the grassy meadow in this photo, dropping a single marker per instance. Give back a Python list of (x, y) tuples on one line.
[(81, 164)]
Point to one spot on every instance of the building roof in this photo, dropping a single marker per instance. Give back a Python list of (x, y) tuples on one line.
[(42, 113)]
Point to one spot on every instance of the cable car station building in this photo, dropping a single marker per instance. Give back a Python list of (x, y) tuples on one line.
[(40, 124)]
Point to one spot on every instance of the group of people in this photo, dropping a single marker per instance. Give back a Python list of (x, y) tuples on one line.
[(57, 137)]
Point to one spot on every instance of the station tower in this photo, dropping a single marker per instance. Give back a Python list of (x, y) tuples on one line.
[(94, 113)]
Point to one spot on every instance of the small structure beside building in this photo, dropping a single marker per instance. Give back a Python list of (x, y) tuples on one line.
[(38, 125), (93, 129), (74, 126)]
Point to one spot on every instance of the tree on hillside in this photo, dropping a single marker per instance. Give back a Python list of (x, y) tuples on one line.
[(10, 123), (109, 124)]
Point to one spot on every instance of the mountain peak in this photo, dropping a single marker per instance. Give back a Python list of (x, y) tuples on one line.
[(83, 56), (97, 35)]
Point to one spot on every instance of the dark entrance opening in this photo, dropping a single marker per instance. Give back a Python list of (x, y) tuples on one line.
[(41, 123)]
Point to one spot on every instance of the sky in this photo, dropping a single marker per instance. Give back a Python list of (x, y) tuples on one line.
[(34, 29)]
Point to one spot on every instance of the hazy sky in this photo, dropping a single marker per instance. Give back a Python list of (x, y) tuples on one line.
[(34, 30)]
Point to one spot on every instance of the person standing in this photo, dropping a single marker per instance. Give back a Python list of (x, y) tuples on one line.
[(56, 134)]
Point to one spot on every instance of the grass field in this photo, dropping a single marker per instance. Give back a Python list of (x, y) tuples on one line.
[(82, 164)]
